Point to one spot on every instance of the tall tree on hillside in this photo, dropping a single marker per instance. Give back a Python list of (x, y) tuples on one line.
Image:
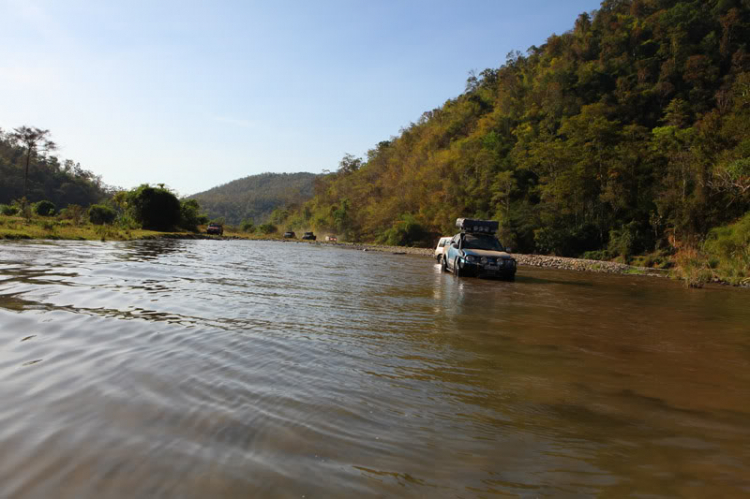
[(33, 139)]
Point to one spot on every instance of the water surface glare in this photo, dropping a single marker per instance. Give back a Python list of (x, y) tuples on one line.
[(235, 369)]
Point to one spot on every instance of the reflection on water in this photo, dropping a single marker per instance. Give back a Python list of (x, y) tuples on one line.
[(245, 369)]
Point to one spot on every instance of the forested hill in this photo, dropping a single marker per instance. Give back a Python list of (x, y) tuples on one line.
[(256, 196), (62, 183), (629, 132)]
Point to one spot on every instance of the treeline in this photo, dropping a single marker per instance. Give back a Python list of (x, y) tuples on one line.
[(48, 179), (629, 133), (33, 182), (145, 207), (255, 197)]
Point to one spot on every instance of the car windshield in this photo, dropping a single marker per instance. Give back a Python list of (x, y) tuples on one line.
[(482, 242)]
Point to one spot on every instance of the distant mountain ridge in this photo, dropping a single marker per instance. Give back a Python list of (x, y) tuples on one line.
[(256, 196)]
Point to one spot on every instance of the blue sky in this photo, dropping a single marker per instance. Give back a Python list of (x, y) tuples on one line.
[(198, 93)]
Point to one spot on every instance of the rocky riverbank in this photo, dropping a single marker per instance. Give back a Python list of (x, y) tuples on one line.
[(579, 264), (544, 261)]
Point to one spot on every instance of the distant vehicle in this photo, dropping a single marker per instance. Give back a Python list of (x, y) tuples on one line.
[(289, 234), (440, 249), (476, 251), (332, 239), (214, 228), (309, 236)]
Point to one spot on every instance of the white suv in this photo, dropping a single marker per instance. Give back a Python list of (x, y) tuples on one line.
[(441, 248)]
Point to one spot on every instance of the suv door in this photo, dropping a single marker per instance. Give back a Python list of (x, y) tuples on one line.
[(452, 251)]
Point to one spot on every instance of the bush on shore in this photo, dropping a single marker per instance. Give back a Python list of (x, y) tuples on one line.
[(45, 208), (73, 212), (407, 232), (155, 208), (190, 215), (728, 251), (692, 268), (100, 214), (8, 210), (267, 228), (247, 226)]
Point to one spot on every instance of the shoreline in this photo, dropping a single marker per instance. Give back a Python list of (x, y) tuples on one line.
[(524, 260), (541, 261)]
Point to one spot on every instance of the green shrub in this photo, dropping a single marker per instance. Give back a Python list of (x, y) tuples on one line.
[(100, 214), (155, 208), (23, 207), (626, 241), (728, 250), (126, 222), (406, 232), (190, 215), (45, 208), (267, 228), (8, 210), (692, 267), (247, 226), (652, 260), (596, 255), (73, 212)]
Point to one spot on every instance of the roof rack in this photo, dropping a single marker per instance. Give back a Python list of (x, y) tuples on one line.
[(477, 226)]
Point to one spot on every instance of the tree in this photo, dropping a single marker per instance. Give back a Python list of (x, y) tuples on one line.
[(45, 208), (156, 208), (32, 139), (190, 216), (349, 164), (100, 214)]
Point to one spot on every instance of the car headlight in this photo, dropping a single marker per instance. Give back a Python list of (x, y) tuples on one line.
[(471, 258)]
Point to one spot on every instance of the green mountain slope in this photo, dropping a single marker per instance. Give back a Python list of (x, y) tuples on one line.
[(627, 133), (255, 197)]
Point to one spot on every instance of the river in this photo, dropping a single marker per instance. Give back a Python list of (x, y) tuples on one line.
[(235, 369)]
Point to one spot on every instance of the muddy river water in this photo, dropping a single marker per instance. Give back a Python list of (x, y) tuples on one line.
[(236, 369)]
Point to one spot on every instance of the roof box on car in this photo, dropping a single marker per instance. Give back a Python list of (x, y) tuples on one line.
[(479, 226)]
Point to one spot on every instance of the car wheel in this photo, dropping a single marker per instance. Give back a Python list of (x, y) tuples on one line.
[(443, 264), (456, 268), (438, 259)]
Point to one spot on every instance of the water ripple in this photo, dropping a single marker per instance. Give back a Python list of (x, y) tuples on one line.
[(236, 369)]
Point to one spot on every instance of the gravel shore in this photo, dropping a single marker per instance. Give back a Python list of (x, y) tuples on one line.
[(552, 262)]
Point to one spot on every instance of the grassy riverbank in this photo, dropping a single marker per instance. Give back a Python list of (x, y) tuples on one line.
[(19, 228)]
